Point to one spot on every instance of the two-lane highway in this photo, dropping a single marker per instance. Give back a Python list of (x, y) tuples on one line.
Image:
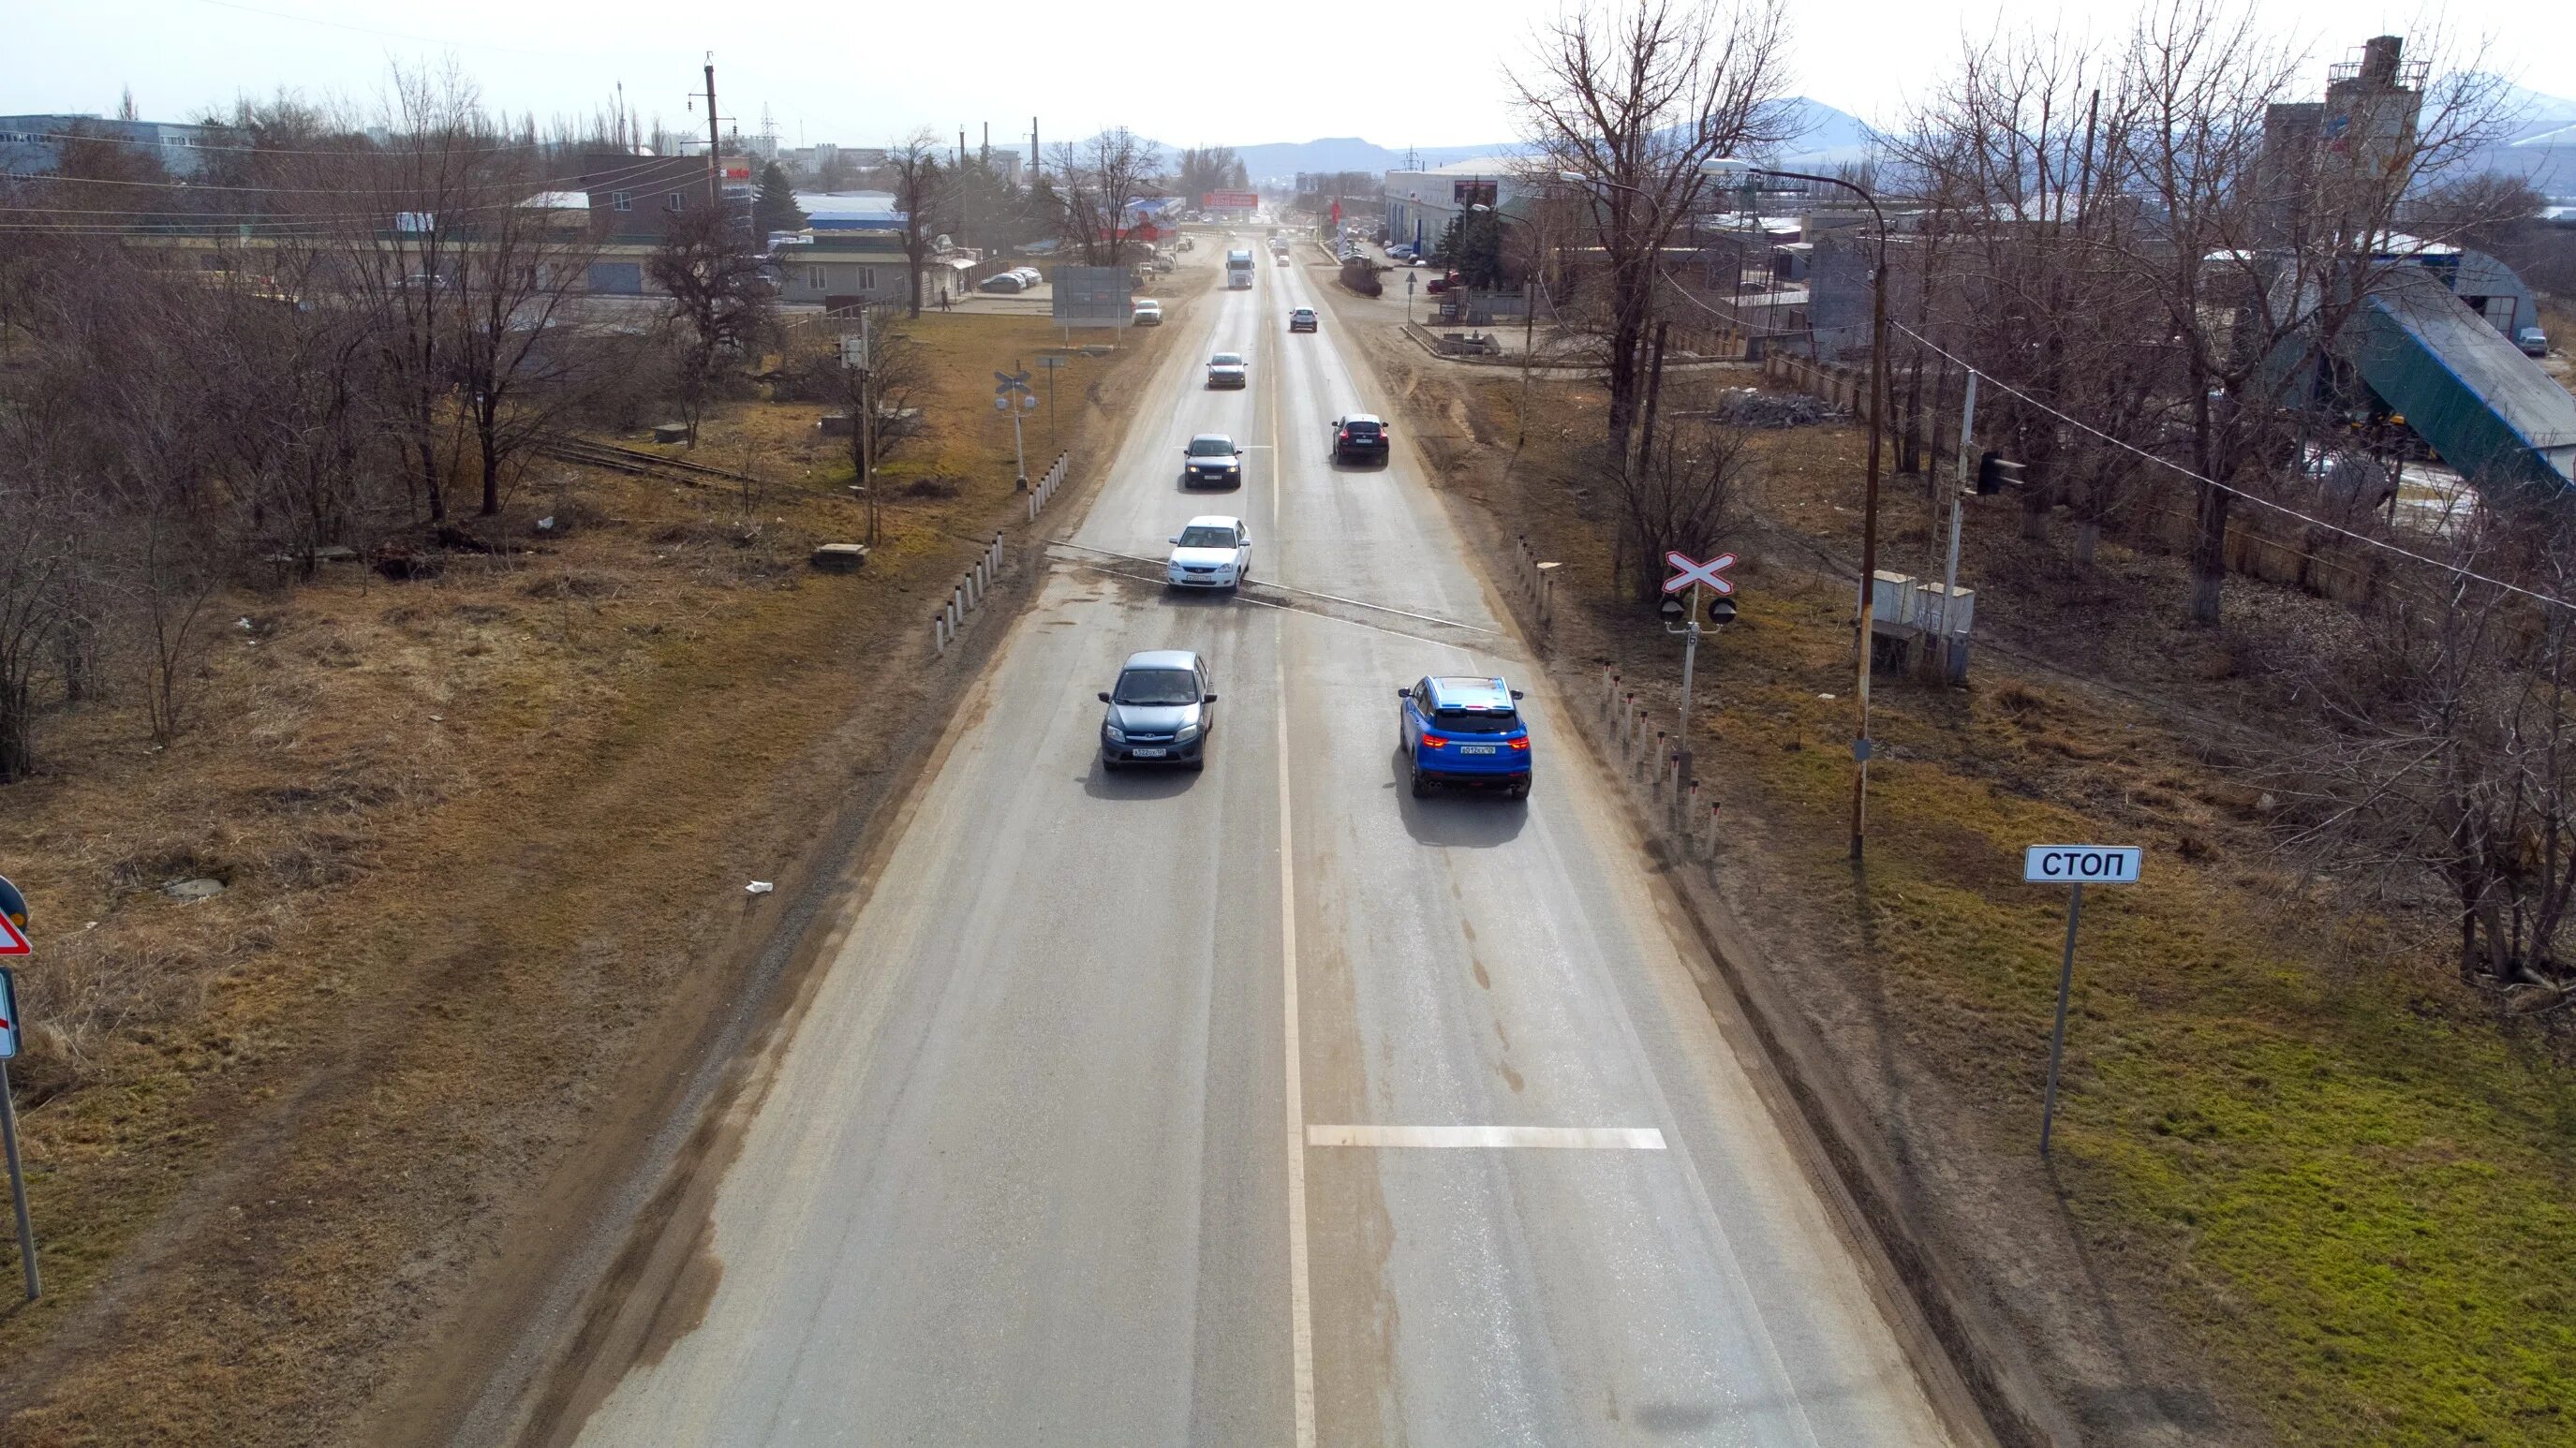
[(1270, 1104)]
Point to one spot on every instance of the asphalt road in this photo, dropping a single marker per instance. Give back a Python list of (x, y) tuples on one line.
[(1268, 1104)]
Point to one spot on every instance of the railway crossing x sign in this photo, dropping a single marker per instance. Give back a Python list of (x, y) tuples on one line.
[(1695, 572)]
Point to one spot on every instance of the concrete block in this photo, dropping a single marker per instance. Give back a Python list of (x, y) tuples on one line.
[(839, 557)]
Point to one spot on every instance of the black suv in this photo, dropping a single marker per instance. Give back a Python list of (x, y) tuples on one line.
[(1359, 436), (1212, 460)]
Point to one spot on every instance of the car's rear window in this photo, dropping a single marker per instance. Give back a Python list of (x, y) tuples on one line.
[(1459, 721), (1362, 429)]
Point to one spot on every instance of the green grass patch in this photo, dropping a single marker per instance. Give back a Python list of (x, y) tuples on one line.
[(2351, 1187)]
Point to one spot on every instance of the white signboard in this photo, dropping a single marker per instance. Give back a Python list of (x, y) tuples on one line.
[(2081, 864)]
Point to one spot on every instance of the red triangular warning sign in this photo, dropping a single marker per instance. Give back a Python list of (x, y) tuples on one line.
[(13, 941)]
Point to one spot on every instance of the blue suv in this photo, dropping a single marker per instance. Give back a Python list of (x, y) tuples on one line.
[(1465, 731)]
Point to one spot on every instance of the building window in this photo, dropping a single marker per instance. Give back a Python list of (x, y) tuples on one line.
[(814, 278), (867, 276), (675, 200), (622, 200)]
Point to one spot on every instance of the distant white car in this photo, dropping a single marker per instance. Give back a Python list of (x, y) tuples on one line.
[(1211, 552), (1146, 313), (1226, 369)]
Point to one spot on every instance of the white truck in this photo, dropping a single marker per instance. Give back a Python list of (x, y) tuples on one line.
[(1238, 269)]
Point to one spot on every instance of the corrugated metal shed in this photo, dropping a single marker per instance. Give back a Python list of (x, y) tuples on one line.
[(2487, 409)]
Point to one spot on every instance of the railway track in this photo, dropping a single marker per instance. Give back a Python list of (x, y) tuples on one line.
[(636, 462)]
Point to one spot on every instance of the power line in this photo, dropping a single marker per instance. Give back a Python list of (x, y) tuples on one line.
[(2235, 492)]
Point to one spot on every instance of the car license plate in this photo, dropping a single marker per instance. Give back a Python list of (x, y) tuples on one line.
[(1149, 753), (1476, 749)]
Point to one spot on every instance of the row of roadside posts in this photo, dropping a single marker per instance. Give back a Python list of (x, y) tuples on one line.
[(13, 1032)]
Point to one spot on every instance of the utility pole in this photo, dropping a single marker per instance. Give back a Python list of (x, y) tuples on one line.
[(1869, 529), (715, 150), (1869, 501), (1034, 164), (986, 155)]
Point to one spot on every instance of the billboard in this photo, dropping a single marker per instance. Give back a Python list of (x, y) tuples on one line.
[(1231, 200), (1471, 193), (1092, 296)]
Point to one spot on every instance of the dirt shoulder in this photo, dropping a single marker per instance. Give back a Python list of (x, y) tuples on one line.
[(484, 841), (2303, 1185)]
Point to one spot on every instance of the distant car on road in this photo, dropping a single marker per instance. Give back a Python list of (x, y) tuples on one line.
[(1444, 283), (1003, 281), (1464, 731), (2532, 341), (1160, 711), (1302, 319), (1359, 435), (1226, 369), (1212, 461), (1212, 552), (1147, 312)]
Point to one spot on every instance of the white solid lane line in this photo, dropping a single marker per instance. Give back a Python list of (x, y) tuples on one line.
[(1301, 1316), (1557, 1138)]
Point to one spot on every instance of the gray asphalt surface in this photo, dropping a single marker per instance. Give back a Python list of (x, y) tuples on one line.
[(1098, 1128)]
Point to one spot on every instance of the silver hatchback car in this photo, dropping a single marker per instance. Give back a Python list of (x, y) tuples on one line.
[(1160, 711)]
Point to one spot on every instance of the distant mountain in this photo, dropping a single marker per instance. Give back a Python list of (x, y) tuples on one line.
[(2538, 144), (1826, 137), (2532, 115)]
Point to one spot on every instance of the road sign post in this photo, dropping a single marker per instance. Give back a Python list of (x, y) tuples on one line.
[(13, 941), (1011, 394), (2075, 866), (1052, 362), (1693, 575)]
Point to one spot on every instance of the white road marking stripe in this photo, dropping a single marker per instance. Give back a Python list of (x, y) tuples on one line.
[(1301, 1318), (1583, 1138)]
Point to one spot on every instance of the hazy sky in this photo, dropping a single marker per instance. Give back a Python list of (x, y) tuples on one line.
[(1428, 73)]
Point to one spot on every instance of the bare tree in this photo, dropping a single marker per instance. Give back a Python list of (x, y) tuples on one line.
[(1633, 102), (879, 372), (2272, 241), (719, 303), (515, 361), (2450, 751), (36, 562), (2013, 266), (920, 186), (1690, 492), (1097, 183)]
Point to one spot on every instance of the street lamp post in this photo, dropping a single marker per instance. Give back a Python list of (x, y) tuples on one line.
[(1877, 426), (1869, 503)]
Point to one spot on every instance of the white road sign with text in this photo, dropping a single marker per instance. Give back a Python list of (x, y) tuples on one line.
[(2081, 864)]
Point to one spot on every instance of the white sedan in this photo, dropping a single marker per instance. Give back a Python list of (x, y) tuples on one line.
[(1212, 552)]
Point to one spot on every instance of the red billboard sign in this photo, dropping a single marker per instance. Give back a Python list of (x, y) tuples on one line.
[(1231, 200)]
